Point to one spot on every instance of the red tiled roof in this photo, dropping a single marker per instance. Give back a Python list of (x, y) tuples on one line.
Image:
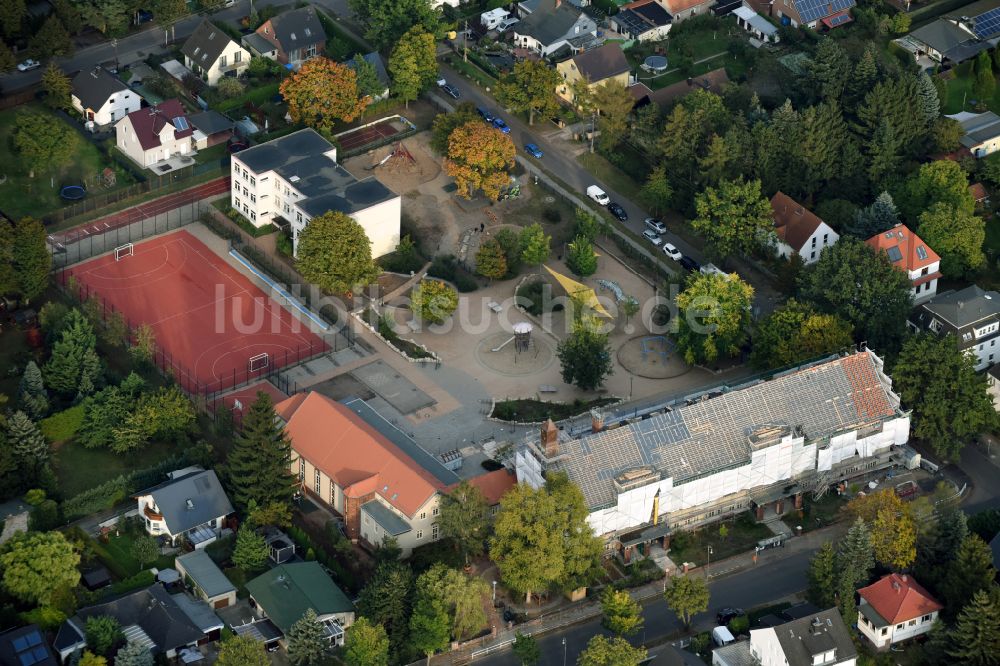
[(898, 598), (675, 7), (352, 453), (908, 243), (148, 122), (793, 223), (493, 485), (867, 393)]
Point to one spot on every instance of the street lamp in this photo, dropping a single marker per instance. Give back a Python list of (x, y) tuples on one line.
[(564, 651), (708, 563), (494, 593)]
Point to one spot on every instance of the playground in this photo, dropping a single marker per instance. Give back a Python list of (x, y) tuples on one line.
[(360, 137)]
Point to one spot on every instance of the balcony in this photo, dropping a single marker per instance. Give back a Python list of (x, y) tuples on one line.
[(147, 510)]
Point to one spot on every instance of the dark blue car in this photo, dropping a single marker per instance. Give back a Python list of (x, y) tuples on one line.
[(485, 115), (533, 150), (501, 125)]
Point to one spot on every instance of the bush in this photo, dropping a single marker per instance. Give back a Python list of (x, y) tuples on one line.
[(229, 87), (46, 617), (284, 244), (446, 267), (530, 296), (406, 258), (63, 425), (639, 573)]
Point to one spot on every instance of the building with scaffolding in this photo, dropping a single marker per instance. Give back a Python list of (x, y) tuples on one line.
[(697, 459)]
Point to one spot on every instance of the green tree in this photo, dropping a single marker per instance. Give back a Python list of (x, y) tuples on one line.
[(88, 658), (985, 84), (527, 541), (946, 135), (168, 11), (525, 649), (145, 550), (582, 550), (412, 63), (950, 401), (970, 572), (134, 654), (103, 634), (942, 181), (713, 317), (615, 651), (56, 86), (52, 39), (32, 394), (855, 557), (368, 84), (823, 577), (433, 301), (322, 93), (250, 552), (613, 103), (464, 519), (853, 282), (242, 651), (895, 100), (795, 333), (27, 446), (385, 601), (334, 252), (479, 157), (938, 546), (366, 644), (106, 412), (44, 142), (386, 21), (881, 216), (446, 123), (430, 626), (229, 87), (531, 87), (145, 345), (735, 218), (956, 236), (883, 151), (490, 260), (257, 468), (830, 69), (534, 244), (585, 356), (975, 639), (510, 243), (307, 643), (588, 225), (580, 257), (686, 596), (8, 275), (7, 61), (622, 613), (864, 75), (31, 261), (656, 191), (12, 15)]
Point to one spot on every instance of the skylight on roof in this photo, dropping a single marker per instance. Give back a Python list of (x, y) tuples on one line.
[(197, 49), (293, 35), (308, 32), (894, 253), (181, 123), (211, 36), (922, 252)]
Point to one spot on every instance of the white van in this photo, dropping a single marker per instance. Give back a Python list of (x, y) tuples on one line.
[(722, 636), (598, 195), (506, 23), (712, 269)]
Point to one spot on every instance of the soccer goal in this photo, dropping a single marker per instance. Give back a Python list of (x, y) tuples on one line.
[(258, 362), (123, 251)]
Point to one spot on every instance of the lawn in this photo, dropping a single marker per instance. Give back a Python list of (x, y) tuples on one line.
[(959, 96), (816, 514), (79, 468), (610, 175), (119, 548), (470, 71), (21, 195), (743, 534)]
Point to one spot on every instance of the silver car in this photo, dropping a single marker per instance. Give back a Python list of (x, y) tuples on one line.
[(652, 237)]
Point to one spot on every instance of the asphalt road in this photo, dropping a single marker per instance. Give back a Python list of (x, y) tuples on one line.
[(751, 588)]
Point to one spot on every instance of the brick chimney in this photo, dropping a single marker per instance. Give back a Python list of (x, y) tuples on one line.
[(596, 420), (550, 439)]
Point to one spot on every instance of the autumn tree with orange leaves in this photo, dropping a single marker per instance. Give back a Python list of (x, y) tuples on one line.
[(321, 93), (478, 158)]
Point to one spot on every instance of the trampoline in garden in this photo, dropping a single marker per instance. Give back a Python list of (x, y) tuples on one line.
[(655, 64), (237, 146), (72, 192)]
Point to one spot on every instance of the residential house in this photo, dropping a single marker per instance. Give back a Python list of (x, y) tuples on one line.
[(642, 20), (819, 640), (692, 460), (291, 38), (957, 36), (799, 231), (685, 9), (26, 646), (895, 608), (156, 137), (282, 595), (210, 128), (206, 578), (294, 178), (972, 315), (191, 505), (605, 64), (555, 25), (910, 254), (493, 485), (980, 132), (150, 616), (993, 377), (813, 13), (102, 98), (375, 60), (349, 457), (211, 54), (759, 27), (525, 7)]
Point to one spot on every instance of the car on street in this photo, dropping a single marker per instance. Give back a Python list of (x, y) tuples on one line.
[(652, 237), (533, 150), (501, 125), (671, 251), (726, 614), (451, 90), (689, 264), (598, 195), (28, 65), (656, 225), (619, 212), (484, 114)]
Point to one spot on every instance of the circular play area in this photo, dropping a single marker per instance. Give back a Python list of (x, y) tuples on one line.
[(72, 192), (655, 64), (652, 356), (522, 352)]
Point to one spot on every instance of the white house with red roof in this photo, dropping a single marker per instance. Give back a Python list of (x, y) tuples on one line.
[(909, 253), (157, 137), (798, 230), (895, 608)]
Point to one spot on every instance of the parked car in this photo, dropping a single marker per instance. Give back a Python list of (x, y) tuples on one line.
[(656, 225), (598, 195), (726, 614), (451, 90), (505, 24), (28, 65), (689, 264), (485, 115), (501, 125), (671, 251), (533, 150), (652, 237), (618, 211), (144, 16)]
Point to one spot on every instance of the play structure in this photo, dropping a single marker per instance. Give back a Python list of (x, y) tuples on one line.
[(580, 293), (521, 338), (648, 343), (399, 159)]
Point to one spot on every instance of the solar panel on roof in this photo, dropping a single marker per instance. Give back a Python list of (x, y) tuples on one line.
[(814, 10), (894, 253), (181, 123), (987, 24), (839, 20)]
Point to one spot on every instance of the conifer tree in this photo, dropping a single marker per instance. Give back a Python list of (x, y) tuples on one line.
[(28, 446), (856, 557), (72, 355), (975, 640), (306, 641), (258, 467), (34, 397)]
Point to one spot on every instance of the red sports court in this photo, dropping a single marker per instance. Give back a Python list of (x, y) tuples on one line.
[(214, 328)]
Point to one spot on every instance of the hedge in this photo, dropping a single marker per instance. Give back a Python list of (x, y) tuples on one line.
[(109, 493)]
